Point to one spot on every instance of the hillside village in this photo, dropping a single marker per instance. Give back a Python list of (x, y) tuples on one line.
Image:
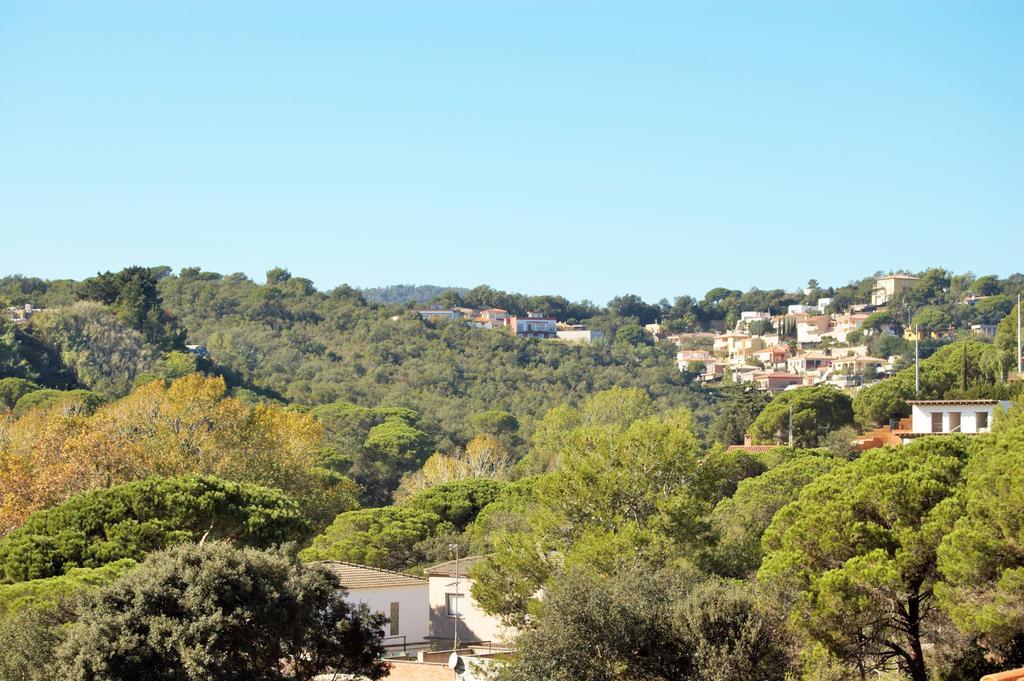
[(803, 345)]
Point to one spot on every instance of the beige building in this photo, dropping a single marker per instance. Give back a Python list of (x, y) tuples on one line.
[(857, 365), (887, 288), (452, 605)]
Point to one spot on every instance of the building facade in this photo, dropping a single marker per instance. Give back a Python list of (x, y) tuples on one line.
[(887, 288), (934, 417), (453, 608), (402, 598)]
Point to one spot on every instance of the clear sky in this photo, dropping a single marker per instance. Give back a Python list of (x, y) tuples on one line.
[(584, 148)]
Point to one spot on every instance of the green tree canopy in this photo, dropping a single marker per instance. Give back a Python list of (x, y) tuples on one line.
[(981, 561), (932, 319), (858, 551), (876, 321), (816, 411), (55, 591), (642, 624), (399, 537), (214, 613), (739, 405), (493, 422), (133, 294), (877, 404), (739, 521), (616, 492), (79, 401), (105, 353), (12, 389), (384, 537), (135, 518), (457, 503)]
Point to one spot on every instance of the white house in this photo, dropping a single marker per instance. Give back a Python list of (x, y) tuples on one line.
[(686, 357), (452, 605), (952, 416), (579, 335), (813, 329), (402, 598), (446, 314), (803, 309)]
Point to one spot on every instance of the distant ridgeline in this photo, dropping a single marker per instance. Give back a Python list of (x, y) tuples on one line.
[(400, 294), (283, 340)]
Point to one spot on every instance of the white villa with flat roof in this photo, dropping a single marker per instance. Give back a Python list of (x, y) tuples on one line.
[(934, 417)]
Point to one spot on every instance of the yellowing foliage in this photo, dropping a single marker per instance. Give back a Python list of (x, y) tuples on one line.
[(484, 457), (186, 427)]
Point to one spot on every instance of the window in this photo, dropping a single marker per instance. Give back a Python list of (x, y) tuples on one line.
[(394, 619), (954, 422), (454, 604), (937, 422), (982, 420)]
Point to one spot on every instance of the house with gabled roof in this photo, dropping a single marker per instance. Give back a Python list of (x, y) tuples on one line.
[(402, 598), (773, 357), (453, 608)]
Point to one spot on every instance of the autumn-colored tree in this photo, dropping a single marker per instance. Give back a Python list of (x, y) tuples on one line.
[(188, 426), (484, 457)]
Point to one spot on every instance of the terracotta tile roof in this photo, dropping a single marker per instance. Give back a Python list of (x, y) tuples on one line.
[(752, 449), (355, 576), (447, 569), (951, 402)]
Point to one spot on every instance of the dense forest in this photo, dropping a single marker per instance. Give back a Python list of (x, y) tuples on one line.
[(153, 423)]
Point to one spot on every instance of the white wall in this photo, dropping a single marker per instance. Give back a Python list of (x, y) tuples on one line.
[(921, 416), (578, 335), (474, 624), (413, 609)]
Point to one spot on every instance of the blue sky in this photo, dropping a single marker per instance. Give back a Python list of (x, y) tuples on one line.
[(582, 148)]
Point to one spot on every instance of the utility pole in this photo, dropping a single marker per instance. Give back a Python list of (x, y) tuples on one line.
[(458, 600), (917, 361), (790, 425)]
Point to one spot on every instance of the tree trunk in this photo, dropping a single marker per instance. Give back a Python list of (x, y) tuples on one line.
[(915, 661)]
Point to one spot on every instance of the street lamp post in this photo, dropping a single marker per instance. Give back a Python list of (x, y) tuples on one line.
[(458, 598)]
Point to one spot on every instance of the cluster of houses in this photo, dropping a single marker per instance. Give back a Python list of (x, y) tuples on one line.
[(533, 325), (434, 623), (816, 351), (817, 348)]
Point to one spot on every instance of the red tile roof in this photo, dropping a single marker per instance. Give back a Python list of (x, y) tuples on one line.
[(356, 576), (447, 569)]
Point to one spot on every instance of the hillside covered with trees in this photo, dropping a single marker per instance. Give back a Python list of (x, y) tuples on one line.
[(162, 433)]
